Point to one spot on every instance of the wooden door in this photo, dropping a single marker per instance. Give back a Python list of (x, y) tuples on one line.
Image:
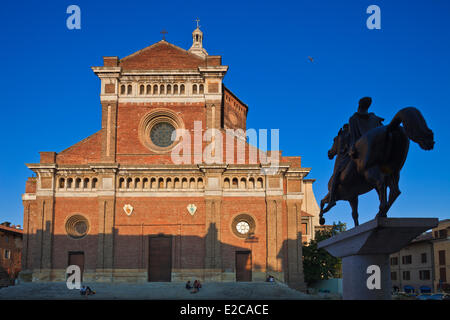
[(77, 258), (243, 266), (160, 259)]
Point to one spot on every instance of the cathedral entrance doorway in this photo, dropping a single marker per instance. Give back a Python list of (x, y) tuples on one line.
[(160, 259)]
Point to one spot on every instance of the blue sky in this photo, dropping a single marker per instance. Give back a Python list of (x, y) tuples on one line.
[(50, 96)]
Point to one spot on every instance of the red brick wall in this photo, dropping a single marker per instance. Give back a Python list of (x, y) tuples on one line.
[(84, 152), (234, 112), (12, 241), (162, 56), (62, 244)]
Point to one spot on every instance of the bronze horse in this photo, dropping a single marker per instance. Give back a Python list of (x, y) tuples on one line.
[(375, 161)]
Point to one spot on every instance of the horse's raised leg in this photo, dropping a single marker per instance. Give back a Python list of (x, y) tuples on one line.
[(354, 204), (375, 177), (325, 200), (394, 190)]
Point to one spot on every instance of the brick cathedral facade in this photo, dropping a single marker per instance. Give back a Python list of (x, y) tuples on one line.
[(118, 206)]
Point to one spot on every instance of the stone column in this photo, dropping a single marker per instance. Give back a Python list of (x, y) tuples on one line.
[(106, 215), (43, 246), (365, 254), (213, 199)]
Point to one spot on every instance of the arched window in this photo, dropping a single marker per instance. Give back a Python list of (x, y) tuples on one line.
[(251, 183), (201, 89), (145, 183), (234, 184), (200, 183), (77, 183), (192, 183), (141, 89), (153, 183), (194, 89), (129, 181), (137, 183), (160, 183), (184, 183), (226, 183), (182, 89), (69, 183), (86, 183), (175, 89), (121, 183), (176, 183), (62, 182), (94, 183), (122, 89), (243, 183), (161, 89), (169, 89), (155, 89), (259, 183), (169, 183), (130, 89), (149, 89)]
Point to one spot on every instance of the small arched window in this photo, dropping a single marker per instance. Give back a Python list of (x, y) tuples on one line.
[(94, 183), (62, 182), (122, 89), (201, 89), (130, 89), (149, 89), (161, 89), (200, 183), (182, 89), (169, 89), (259, 183), (129, 181), (141, 89), (192, 183), (121, 183), (194, 89), (86, 183), (69, 183), (155, 89), (175, 89)]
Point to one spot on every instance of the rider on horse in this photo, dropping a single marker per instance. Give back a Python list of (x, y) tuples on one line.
[(360, 123)]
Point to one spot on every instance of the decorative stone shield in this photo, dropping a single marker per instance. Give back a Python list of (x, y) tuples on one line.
[(128, 209), (192, 208)]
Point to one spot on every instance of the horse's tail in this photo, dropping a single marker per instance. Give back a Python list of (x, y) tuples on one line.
[(415, 126)]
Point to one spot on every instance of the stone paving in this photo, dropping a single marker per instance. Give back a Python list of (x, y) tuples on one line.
[(155, 291)]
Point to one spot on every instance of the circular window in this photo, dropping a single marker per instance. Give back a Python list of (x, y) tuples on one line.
[(77, 226), (243, 226), (161, 134), (156, 130)]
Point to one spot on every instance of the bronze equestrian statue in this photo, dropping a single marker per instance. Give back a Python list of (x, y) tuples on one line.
[(370, 155)]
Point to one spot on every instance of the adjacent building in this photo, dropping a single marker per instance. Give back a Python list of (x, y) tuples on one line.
[(441, 246), (423, 265), (118, 205), (10, 253)]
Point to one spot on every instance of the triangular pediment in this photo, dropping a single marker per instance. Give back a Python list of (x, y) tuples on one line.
[(162, 56)]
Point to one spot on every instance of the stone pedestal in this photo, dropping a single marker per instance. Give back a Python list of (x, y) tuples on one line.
[(370, 244)]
